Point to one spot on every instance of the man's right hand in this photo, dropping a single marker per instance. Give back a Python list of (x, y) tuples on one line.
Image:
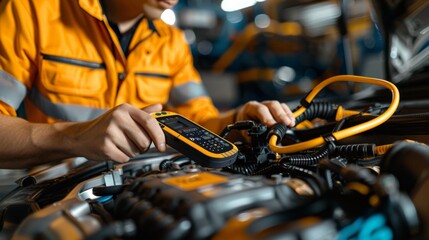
[(119, 134)]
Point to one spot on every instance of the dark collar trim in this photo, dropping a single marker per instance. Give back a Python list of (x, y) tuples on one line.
[(152, 26)]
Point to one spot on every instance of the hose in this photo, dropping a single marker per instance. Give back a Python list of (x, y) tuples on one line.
[(306, 159), (297, 147), (268, 168), (369, 162), (381, 150), (356, 151), (243, 168), (322, 110)]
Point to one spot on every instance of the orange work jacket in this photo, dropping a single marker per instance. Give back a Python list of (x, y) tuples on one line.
[(64, 61)]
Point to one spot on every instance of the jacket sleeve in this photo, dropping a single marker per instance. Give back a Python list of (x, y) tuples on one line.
[(17, 54), (188, 95)]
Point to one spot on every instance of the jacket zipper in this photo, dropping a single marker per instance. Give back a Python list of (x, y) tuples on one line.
[(72, 61)]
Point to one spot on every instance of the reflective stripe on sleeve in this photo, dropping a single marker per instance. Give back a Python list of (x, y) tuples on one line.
[(12, 91), (185, 92), (66, 112)]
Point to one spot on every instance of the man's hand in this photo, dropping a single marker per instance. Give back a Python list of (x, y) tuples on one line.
[(121, 133), (267, 113)]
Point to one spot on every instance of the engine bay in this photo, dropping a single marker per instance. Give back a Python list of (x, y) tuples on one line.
[(354, 170)]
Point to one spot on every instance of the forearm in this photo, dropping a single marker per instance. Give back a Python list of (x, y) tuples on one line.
[(24, 144), (119, 134)]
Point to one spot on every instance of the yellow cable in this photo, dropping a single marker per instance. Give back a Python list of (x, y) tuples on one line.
[(304, 124), (343, 113), (345, 132), (381, 150)]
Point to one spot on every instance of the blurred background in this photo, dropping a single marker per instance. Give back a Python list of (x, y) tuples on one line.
[(278, 49)]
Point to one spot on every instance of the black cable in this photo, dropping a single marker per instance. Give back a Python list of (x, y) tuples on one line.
[(294, 171), (400, 125), (351, 172), (327, 175), (355, 151), (108, 190), (243, 168), (324, 110), (267, 168), (370, 162), (240, 125), (339, 125), (306, 159)]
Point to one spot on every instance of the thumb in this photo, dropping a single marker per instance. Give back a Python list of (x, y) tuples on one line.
[(153, 108)]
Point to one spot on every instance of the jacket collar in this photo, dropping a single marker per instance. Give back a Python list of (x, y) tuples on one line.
[(94, 8)]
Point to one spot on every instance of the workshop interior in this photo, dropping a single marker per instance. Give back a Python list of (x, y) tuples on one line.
[(355, 165)]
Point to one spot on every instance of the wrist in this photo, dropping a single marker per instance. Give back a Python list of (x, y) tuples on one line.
[(53, 138)]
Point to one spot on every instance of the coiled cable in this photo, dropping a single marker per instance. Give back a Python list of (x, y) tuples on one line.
[(344, 133), (243, 168), (306, 159), (322, 110), (356, 151)]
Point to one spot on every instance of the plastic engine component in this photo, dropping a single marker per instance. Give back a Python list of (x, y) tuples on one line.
[(195, 205)]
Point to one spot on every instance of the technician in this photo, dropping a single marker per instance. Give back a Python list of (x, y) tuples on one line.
[(88, 74)]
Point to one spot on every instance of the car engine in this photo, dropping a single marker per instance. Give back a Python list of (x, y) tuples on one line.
[(349, 170)]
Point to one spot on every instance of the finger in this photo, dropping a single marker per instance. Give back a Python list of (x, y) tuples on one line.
[(143, 128), (139, 136), (263, 114), (125, 132), (151, 128), (249, 111), (136, 140), (289, 115), (114, 153), (277, 111), (127, 145), (152, 108), (256, 111), (280, 112)]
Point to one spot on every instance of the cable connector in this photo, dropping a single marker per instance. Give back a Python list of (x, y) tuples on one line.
[(240, 125), (279, 129)]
